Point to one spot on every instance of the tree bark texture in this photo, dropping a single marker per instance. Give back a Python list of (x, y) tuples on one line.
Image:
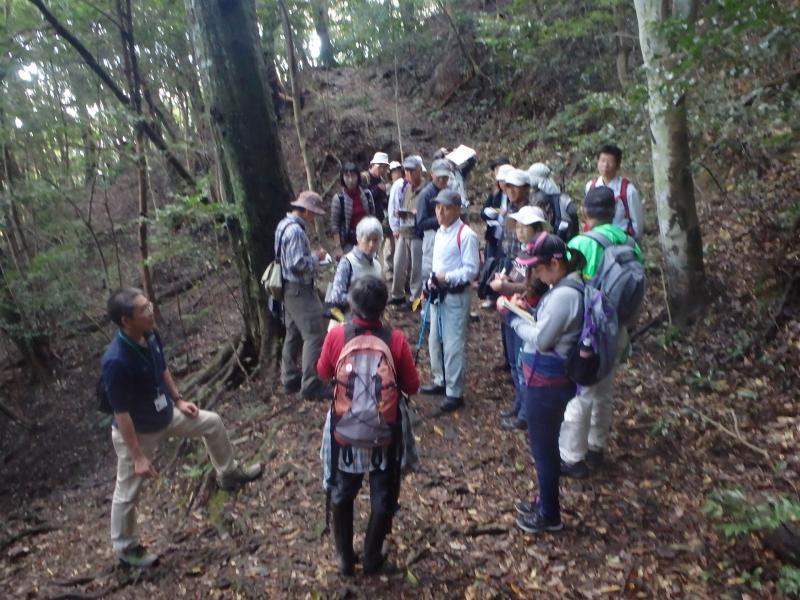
[(679, 229), (240, 106), (131, 67), (319, 11)]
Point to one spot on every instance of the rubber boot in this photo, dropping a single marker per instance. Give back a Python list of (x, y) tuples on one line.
[(343, 537), (377, 528)]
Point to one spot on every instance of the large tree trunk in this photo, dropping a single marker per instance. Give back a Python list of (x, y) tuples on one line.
[(674, 187), (319, 12), (240, 105)]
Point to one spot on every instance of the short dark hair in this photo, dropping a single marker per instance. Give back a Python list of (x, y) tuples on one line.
[(600, 204), (367, 297), (349, 167), (120, 304), (613, 150)]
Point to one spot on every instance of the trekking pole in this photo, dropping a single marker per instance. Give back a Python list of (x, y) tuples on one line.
[(426, 311)]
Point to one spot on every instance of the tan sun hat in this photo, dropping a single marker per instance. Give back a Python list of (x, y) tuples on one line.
[(311, 201)]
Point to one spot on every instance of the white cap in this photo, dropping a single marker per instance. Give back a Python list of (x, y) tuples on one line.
[(502, 172), (380, 158), (528, 215), (517, 178), (538, 172), (395, 165)]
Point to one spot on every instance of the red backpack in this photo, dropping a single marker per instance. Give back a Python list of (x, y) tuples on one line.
[(623, 197), (365, 398)]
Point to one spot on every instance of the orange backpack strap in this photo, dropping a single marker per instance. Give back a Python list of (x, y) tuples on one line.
[(623, 197), (458, 235)]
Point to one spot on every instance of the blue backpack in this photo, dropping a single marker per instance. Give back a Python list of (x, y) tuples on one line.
[(592, 358)]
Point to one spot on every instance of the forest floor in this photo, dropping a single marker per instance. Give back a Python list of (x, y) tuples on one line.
[(636, 528)]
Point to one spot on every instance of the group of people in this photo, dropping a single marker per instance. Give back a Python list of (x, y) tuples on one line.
[(394, 226)]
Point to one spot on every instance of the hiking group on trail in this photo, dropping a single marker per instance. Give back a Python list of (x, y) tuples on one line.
[(566, 282)]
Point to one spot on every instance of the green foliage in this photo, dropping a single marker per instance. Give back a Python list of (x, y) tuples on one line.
[(789, 581), (740, 517)]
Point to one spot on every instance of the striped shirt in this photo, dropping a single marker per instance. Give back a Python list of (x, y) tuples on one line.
[(298, 264)]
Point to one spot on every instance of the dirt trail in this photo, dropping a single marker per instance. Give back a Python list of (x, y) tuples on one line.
[(634, 529)]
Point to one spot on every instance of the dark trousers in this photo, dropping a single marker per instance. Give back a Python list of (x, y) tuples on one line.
[(513, 344), (382, 493), (545, 411)]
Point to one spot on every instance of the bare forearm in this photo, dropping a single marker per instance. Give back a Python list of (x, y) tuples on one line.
[(128, 432), (172, 389)]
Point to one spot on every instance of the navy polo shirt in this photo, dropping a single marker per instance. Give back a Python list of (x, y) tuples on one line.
[(134, 379)]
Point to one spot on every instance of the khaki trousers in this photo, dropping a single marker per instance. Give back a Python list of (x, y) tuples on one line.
[(206, 424), (407, 264)]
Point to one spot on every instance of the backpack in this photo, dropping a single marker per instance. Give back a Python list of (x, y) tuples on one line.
[(623, 197), (364, 411), (621, 277), (592, 358), (487, 273)]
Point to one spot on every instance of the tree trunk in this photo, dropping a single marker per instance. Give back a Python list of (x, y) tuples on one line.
[(679, 229), (319, 11), (135, 93), (240, 105)]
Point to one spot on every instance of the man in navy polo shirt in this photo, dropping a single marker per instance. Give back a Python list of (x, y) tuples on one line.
[(147, 408)]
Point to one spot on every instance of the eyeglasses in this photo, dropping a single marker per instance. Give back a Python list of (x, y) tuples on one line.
[(146, 309)]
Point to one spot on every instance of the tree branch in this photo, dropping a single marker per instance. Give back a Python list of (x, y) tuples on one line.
[(95, 66)]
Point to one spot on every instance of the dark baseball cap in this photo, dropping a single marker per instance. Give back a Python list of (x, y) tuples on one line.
[(545, 248), (599, 202)]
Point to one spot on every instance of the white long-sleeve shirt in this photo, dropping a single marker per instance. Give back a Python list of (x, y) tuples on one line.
[(460, 266), (397, 201), (634, 205)]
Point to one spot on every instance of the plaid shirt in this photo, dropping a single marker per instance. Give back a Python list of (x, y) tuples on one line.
[(297, 263)]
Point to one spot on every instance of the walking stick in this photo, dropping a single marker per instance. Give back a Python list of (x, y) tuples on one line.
[(426, 313)]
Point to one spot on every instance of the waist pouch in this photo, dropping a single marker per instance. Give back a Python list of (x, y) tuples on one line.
[(544, 370)]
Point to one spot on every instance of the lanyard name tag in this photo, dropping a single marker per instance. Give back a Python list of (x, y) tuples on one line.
[(160, 402)]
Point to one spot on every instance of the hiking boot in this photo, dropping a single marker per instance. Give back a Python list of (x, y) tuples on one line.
[(595, 458), (450, 404), (507, 413), (577, 470), (513, 423), (230, 482), (536, 523), (474, 317), (343, 537), (487, 304), (291, 388), (378, 526), (322, 393), (138, 557), (527, 507), (431, 389)]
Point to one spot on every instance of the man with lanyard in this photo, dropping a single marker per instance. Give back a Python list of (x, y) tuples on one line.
[(303, 311), (408, 242), (455, 265), (147, 408), (628, 210), (426, 211)]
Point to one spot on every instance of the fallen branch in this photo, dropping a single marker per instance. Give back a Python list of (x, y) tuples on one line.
[(479, 530), (13, 539), (739, 438)]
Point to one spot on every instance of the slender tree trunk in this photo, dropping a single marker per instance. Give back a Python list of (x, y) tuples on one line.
[(135, 93), (679, 229), (231, 59), (294, 80), (319, 11)]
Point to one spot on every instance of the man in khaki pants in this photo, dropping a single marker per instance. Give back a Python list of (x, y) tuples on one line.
[(148, 408)]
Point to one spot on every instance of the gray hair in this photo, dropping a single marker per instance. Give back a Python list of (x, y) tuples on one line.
[(120, 304), (369, 226)]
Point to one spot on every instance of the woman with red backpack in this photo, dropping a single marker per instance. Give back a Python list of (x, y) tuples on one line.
[(366, 427)]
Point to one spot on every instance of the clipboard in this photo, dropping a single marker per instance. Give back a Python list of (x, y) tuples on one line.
[(517, 310)]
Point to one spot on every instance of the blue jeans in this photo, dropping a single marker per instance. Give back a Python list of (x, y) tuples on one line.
[(545, 409), (513, 346)]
